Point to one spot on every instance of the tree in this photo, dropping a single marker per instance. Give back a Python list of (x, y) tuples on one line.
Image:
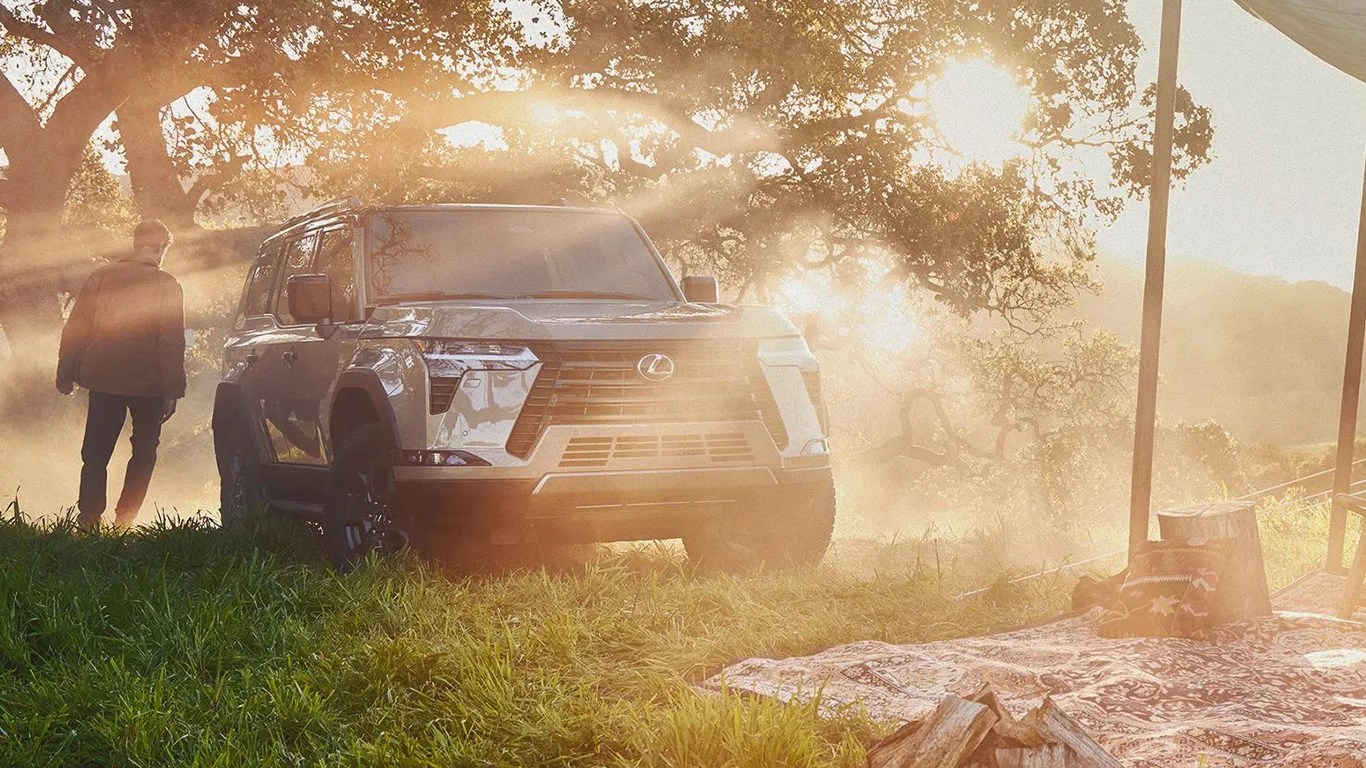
[(767, 137), (761, 139), (68, 65)]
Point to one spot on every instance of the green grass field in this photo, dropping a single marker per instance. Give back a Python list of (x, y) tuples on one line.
[(181, 644)]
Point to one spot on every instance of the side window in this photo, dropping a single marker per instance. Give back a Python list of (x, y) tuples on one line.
[(259, 294), (298, 261), (335, 260)]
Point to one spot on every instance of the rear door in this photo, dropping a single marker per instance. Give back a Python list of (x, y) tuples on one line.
[(248, 355)]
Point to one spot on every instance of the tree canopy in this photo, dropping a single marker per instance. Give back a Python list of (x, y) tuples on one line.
[(759, 139)]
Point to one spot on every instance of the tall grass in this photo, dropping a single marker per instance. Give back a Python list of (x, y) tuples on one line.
[(182, 644)]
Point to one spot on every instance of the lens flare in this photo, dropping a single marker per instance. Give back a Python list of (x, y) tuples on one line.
[(882, 317), (980, 110)]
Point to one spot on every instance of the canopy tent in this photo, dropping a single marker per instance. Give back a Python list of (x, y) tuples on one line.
[(1334, 31)]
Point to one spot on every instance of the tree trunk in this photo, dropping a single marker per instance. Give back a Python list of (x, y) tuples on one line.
[(157, 190), (39, 261)]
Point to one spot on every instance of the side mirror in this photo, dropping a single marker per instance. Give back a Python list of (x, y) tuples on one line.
[(701, 289), (310, 298)]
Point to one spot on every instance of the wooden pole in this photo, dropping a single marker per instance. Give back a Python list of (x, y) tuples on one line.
[(1351, 395), (1145, 421)]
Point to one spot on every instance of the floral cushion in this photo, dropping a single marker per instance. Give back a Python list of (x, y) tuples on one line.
[(1169, 590)]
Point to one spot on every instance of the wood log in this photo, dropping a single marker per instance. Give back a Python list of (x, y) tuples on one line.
[(946, 738), (1043, 756), (1008, 730), (1242, 592), (1059, 727)]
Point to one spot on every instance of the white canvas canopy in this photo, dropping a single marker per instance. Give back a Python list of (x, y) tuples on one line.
[(1333, 30)]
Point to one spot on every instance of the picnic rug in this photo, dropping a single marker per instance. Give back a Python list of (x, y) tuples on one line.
[(1288, 690)]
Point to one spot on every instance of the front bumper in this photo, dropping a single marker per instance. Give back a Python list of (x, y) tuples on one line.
[(608, 505)]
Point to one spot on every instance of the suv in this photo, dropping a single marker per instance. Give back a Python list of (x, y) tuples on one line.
[(488, 375)]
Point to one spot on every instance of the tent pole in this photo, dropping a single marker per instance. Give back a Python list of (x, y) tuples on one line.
[(1351, 396), (1145, 421)]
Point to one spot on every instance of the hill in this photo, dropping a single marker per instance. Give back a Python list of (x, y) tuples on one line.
[(1260, 355)]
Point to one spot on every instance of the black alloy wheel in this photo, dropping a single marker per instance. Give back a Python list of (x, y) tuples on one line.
[(361, 513)]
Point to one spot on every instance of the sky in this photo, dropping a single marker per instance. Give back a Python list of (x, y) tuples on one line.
[(1282, 194)]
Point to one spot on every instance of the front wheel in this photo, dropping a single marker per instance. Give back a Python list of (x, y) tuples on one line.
[(361, 512), (792, 530)]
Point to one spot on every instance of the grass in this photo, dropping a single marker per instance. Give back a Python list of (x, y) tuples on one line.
[(181, 644)]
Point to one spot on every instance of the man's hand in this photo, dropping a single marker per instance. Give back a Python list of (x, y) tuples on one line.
[(65, 387), (168, 410)]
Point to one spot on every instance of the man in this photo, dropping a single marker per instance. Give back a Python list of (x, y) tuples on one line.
[(125, 344)]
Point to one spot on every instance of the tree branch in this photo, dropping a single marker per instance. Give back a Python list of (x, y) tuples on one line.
[(18, 118), (36, 34)]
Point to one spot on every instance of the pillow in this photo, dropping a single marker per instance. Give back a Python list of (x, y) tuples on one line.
[(1169, 589)]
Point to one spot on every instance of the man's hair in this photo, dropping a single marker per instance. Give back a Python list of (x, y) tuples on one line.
[(151, 234)]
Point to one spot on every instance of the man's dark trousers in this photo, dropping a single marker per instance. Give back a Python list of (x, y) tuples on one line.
[(103, 424)]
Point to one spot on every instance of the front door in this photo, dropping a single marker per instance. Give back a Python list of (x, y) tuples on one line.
[(291, 412)]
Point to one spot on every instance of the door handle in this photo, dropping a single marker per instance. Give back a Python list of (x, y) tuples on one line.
[(290, 357), (253, 359)]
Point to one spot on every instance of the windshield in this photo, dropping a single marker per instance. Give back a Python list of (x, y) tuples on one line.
[(511, 254)]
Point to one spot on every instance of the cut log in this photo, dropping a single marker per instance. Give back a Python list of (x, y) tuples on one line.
[(1059, 727), (1009, 731), (947, 737), (1242, 591), (1043, 756), (980, 733)]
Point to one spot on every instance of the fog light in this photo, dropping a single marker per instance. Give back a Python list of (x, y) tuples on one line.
[(816, 448), (438, 459)]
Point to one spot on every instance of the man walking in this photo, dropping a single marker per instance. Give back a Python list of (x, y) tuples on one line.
[(125, 344)]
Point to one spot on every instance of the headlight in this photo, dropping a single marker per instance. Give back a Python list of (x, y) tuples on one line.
[(450, 358)]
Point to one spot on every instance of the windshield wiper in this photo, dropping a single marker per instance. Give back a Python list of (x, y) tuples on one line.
[(585, 295), (398, 298)]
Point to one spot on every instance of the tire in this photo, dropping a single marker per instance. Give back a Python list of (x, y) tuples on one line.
[(792, 531), (361, 513), (241, 488)]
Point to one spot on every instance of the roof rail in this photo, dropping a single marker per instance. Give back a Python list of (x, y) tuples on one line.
[(331, 206)]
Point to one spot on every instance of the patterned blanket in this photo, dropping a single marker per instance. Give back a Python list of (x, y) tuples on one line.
[(1287, 691)]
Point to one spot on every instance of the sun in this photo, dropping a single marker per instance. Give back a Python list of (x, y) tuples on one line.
[(980, 110)]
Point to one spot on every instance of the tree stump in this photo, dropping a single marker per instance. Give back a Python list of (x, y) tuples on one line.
[(1242, 591)]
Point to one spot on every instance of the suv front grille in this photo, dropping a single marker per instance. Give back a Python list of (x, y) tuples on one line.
[(597, 452), (587, 382)]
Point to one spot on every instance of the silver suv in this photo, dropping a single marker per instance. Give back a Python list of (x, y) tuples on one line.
[(475, 376)]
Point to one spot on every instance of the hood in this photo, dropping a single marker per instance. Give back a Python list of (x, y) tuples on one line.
[(585, 319)]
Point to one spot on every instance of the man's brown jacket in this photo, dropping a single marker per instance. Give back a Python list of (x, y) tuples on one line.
[(126, 333)]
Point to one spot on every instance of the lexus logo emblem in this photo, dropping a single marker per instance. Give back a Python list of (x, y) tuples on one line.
[(655, 367)]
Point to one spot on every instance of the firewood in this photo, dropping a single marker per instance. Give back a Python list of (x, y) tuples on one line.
[(1058, 726), (1008, 730), (981, 733), (1044, 756), (945, 739)]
